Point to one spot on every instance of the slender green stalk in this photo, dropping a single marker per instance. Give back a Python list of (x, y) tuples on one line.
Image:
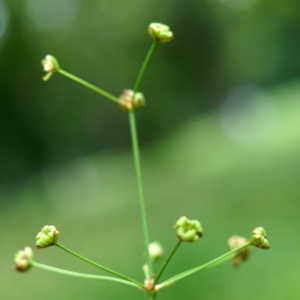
[(100, 266), (81, 275), (144, 66), (167, 261), (137, 162), (90, 86), (136, 156), (208, 265), (152, 296)]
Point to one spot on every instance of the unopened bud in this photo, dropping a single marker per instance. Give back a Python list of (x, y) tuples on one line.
[(160, 32), (235, 242), (23, 259), (149, 283), (50, 66), (132, 103), (156, 251), (259, 238), (188, 230), (48, 236)]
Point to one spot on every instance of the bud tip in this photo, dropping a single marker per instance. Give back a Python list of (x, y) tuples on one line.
[(48, 236), (23, 259), (188, 230), (50, 65), (160, 32)]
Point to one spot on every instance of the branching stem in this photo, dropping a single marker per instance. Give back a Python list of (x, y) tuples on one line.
[(100, 266), (208, 265), (90, 86), (144, 66), (137, 163), (136, 157), (167, 261), (81, 275)]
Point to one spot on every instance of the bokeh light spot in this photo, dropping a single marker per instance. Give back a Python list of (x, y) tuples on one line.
[(231, 6), (4, 20), (51, 14), (249, 115)]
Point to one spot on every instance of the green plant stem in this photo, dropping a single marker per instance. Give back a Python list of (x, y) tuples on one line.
[(90, 86), (167, 261), (144, 66), (208, 265), (81, 275), (137, 163), (100, 266), (136, 157)]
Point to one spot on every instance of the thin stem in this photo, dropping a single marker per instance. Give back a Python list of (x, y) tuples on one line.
[(137, 163), (144, 66), (208, 265), (90, 86), (136, 157), (99, 266), (167, 261), (152, 296), (81, 275)]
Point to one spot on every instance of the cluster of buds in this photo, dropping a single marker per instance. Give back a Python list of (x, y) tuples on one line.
[(160, 33), (259, 238), (188, 230), (150, 286), (131, 101), (50, 66), (23, 259), (236, 242), (47, 237)]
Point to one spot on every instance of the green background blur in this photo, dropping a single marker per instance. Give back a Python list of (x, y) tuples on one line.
[(220, 141)]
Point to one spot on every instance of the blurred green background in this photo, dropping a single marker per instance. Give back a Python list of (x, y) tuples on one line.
[(220, 142)]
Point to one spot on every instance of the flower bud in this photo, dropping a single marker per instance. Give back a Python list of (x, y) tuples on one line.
[(188, 230), (130, 103), (156, 251), (48, 236), (23, 259), (259, 238), (160, 32), (149, 283), (235, 242), (50, 66)]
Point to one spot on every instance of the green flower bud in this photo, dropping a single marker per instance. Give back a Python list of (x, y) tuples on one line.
[(156, 251), (48, 236), (259, 238), (160, 32), (23, 259), (188, 230), (128, 103), (50, 66), (235, 242)]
